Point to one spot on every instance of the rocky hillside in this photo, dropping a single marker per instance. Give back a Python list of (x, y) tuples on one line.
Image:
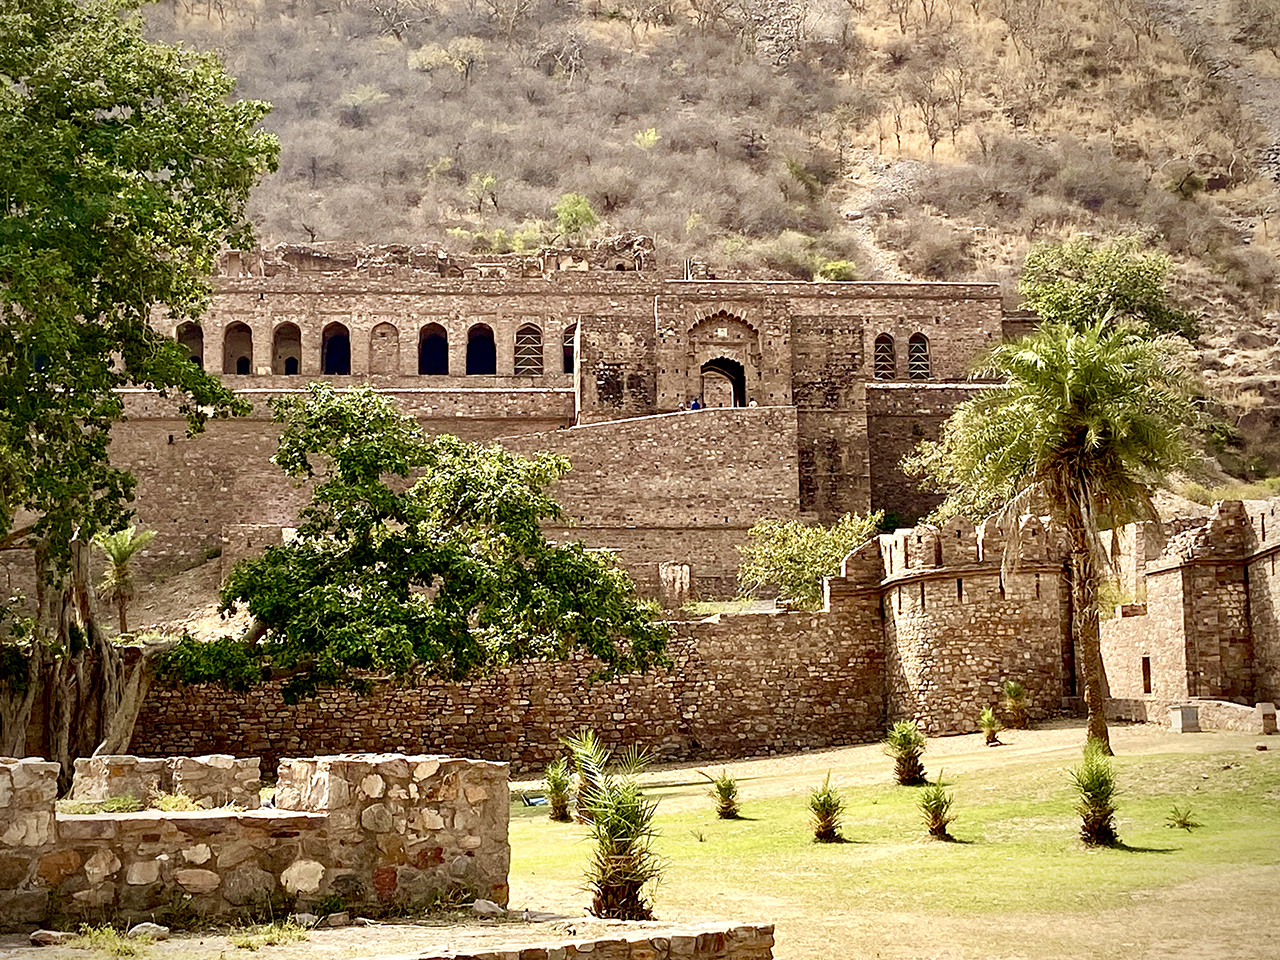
[(867, 138)]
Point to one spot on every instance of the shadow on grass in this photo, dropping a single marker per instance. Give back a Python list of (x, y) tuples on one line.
[(1121, 845)]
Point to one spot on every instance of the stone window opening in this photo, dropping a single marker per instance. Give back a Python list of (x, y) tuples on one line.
[(1001, 578), (237, 349), (918, 357), (335, 351), (1146, 674), (568, 342), (528, 360), (482, 355), (286, 350), (922, 596), (885, 362), (1037, 586), (898, 599), (960, 589), (433, 351), (191, 337)]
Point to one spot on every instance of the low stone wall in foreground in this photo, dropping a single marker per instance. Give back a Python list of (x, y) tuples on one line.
[(709, 941), (380, 832)]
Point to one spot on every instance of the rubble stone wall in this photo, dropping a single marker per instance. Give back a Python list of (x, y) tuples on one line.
[(376, 831), (709, 941), (211, 781)]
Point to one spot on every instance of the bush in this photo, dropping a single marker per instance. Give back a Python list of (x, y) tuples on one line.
[(174, 803), (1181, 819), (590, 760), (826, 811), (838, 270), (724, 789), (935, 809), (990, 725), (559, 786), (905, 743), (1015, 704), (623, 861), (793, 557), (1095, 781)]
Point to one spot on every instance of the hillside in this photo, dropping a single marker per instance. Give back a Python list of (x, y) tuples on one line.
[(912, 138)]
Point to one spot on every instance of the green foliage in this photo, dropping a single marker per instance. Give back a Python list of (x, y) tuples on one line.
[(448, 575), (842, 271), (559, 787), (1081, 283), (107, 939), (1015, 704), (119, 548), (591, 762), (1179, 819), (109, 805), (793, 557), (646, 139), (1095, 783), (174, 803), (724, 789), (935, 805), (623, 862), (124, 169), (268, 935), (906, 744), (826, 812), (574, 214), (990, 726)]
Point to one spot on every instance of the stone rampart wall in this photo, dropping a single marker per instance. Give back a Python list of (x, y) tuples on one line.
[(1211, 714), (380, 832), (720, 698), (706, 941)]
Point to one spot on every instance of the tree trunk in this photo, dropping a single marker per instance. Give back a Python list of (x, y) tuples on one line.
[(122, 607), (1085, 626), (77, 694)]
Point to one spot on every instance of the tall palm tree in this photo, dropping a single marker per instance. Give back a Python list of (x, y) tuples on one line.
[(1086, 423), (117, 582)]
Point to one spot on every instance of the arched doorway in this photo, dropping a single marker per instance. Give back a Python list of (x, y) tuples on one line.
[(335, 351), (237, 349), (384, 349), (192, 339), (433, 351), (286, 350), (724, 383), (482, 357)]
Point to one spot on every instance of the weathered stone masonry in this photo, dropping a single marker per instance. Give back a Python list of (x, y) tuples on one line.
[(739, 686), (378, 831)]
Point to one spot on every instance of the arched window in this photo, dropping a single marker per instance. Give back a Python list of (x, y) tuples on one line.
[(286, 350), (433, 351), (724, 384), (384, 349), (335, 351), (482, 357), (529, 352), (237, 349), (570, 336), (192, 339), (886, 364), (918, 357)]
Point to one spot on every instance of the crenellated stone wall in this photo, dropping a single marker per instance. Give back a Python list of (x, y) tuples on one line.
[(379, 832)]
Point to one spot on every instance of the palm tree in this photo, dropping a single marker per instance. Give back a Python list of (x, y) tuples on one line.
[(117, 582), (1086, 424)]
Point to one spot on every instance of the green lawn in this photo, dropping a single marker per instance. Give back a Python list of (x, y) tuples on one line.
[(1017, 863)]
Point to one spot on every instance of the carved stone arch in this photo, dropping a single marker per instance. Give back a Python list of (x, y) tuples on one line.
[(723, 342), (384, 349)]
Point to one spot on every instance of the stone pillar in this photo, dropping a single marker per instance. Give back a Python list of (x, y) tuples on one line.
[(28, 863), (1184, 718)]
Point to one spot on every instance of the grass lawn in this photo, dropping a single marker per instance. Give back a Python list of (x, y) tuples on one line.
[(1018, 883)]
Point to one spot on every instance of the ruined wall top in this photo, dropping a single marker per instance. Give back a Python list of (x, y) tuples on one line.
[(626, 252)]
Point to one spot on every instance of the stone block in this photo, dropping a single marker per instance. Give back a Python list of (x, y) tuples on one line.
[(1184, 718), (1266, 717)]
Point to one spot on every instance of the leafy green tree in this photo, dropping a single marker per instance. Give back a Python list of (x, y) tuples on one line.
[(448, 575), (124, 169), (1086, 423), (574, 214), (793, 557), (1079, 281), (120, 547)]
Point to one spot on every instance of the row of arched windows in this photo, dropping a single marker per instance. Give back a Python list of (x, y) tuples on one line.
[(885, 361), (384, 349)]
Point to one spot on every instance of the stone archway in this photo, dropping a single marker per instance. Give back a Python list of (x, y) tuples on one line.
[(726, 346), (723, 383)]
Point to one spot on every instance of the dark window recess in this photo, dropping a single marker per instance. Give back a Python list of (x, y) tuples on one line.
[(885, 364), (1146, 674), (960, 589)]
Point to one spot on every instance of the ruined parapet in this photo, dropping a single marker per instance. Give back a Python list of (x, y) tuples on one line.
[(1226, 534), (215, 780), (409, 826), (959, 542), (28, 789)]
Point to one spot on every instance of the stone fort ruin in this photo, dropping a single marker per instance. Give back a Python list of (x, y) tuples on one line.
[(810, 395)]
